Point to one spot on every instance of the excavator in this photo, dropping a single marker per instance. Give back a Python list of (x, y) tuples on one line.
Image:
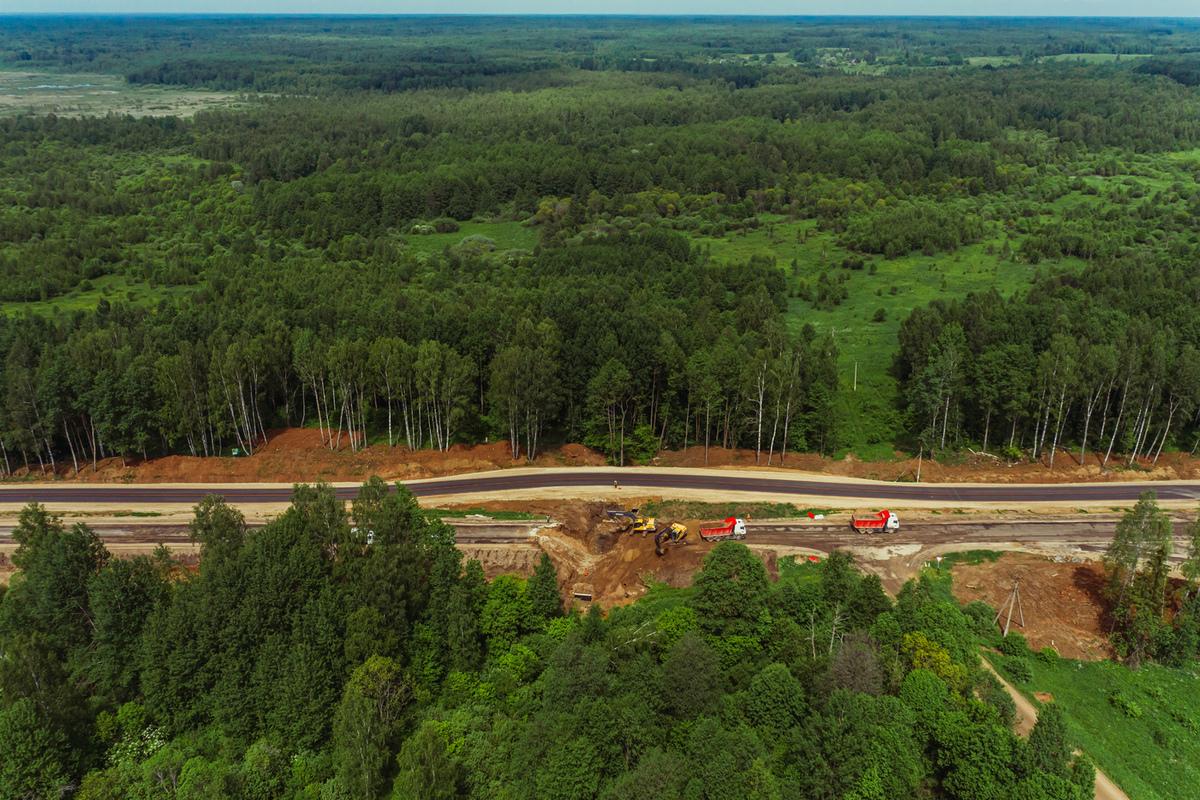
[(635, 522), (672, 533)]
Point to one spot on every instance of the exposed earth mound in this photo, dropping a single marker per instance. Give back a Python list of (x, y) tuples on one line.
[(298, 454), (601, 559), (1061, 601)]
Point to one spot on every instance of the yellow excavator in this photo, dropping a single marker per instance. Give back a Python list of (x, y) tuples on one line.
[(634, 522), (671, 534)]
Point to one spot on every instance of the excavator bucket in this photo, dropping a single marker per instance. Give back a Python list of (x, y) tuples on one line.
[(626, 517)]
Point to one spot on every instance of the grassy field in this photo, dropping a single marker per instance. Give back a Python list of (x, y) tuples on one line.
[(506, 235), (897, 286), (1094, 58), (78, 95), (113, 288), (1082, 58), (1142, 728)]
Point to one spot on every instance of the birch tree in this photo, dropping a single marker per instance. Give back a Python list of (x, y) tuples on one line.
[(787, 372), (939, 383), (1097, 374), (756, 380), (1058, 367), (348, 373), (443, 378), (703, 391), (1183, 390), (1144, 529), (610, 395)]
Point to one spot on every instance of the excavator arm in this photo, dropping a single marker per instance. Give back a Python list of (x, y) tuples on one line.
[(616, 515), (672, 533), (634, 522)]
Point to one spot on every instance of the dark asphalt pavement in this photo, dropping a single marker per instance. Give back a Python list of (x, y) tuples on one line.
[(1124, 493)]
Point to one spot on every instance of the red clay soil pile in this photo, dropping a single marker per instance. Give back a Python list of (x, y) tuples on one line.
[(297, 454)]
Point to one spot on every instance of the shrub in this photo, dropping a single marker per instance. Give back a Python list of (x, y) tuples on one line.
[(1017, 669), (880, 315), (1127, 706), (1014, 644), (980, 616), (445, 225), (478, 240), (1185, 720), (1048, 655)]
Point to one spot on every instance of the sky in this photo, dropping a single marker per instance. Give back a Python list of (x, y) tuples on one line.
[(1033, 8)]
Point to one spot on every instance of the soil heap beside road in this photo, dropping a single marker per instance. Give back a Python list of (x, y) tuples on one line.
[(298, 454)]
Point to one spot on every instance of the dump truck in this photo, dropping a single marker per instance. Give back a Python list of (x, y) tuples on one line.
[(731, 528), (883, 521), (671, 533)]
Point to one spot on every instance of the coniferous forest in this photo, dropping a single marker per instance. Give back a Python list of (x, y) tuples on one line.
[(185, 283)]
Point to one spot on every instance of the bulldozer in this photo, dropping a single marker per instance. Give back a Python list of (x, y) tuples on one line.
[(671, 534), (635, 522)]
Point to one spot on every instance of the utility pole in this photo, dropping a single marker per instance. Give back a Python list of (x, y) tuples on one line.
[(1014, 598)]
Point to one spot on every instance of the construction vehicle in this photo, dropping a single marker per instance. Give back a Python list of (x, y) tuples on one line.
[(883, 521), (731, 528), (671, 533), (635, 522)]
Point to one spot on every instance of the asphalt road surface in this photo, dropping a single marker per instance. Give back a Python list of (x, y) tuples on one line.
[(503, 481)]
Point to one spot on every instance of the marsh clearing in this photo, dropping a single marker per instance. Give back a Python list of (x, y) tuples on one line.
[(92, 95)]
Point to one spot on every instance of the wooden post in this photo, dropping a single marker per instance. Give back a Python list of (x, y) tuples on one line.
[(1014, 598)]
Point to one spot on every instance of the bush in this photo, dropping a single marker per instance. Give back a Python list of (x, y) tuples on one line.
[(1017, 669), (980, 616), (880, 315), (1048, 656), (1185, 720), (445, 225), (1014, 644), (1127, 706), (478, 240)]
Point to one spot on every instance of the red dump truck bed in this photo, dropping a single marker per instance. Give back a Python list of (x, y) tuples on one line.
[(731, 528), (884, 520)]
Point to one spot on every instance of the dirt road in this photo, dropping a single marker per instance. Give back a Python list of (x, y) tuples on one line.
[(897, 555), (894, 556), (1027, 718)]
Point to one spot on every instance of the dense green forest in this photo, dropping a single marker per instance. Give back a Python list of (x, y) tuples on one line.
[(350, 653), (592, 187), (201, 280), (302, 661)]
